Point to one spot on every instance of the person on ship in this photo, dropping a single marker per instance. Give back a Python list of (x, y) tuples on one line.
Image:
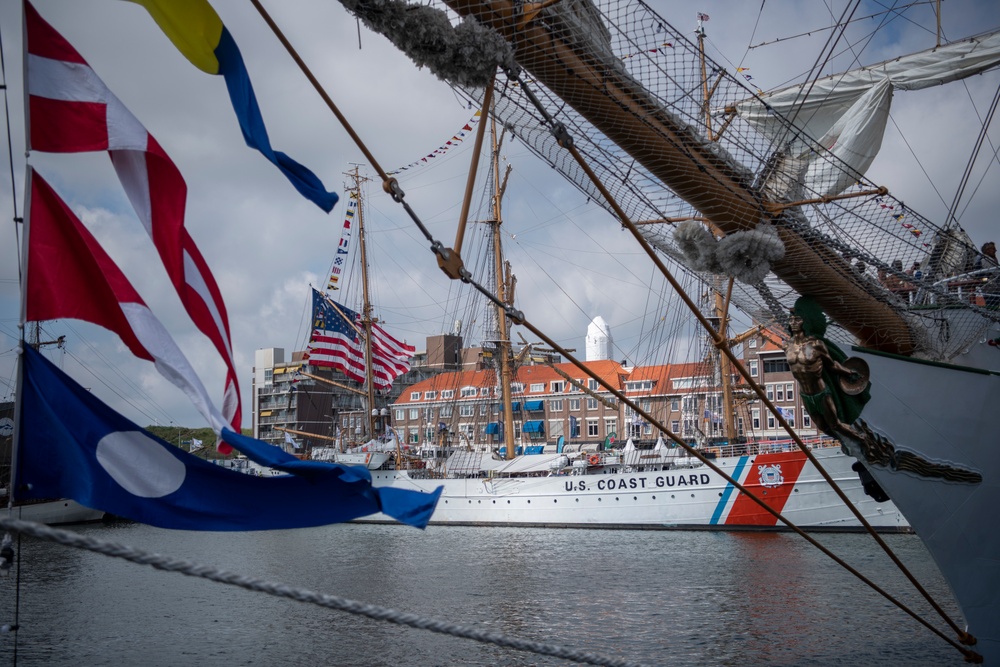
[(991, 289)]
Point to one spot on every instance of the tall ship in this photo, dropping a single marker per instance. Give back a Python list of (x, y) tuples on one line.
[(497, 438), (893, 318)]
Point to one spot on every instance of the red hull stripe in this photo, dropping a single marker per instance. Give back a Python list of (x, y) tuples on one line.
[(771, 478)]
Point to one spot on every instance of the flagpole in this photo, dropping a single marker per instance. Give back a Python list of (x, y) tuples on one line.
[(19, 379), (366, 307)]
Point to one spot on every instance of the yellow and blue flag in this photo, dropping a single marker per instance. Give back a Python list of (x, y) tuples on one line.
[(198, 33)]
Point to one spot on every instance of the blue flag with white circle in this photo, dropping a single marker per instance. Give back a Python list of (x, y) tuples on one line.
[(75, 446)]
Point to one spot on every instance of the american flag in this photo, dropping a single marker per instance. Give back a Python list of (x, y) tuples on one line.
[(335, 342)]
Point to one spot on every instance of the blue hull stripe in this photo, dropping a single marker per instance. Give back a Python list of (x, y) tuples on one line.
[(730, 489)]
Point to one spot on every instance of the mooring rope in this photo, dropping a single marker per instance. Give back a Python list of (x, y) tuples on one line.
[(191, 569)]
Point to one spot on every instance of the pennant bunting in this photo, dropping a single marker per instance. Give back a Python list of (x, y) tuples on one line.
[(456, 139), (71, 110), (340, 259), (655, 49), (198, 33)]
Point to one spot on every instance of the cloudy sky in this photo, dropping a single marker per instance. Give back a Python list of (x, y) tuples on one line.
[(266, 244)]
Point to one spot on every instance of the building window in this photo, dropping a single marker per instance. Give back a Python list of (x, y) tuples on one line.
[(769, 391), (414, 395), (592, 428), (446, 411), (675, 404), (755, 418), (556, 405), (806, 420), (576, 387), (557, 386), (430, 395), (468, 392), (399, 414), (675, 425), (789, 395), (414, 437), (517, 387), (485, 391), (779, 392), (592, 384), (776, 366), (753, 368), (591, 403), (610, 425), (770, 420), (483, 409), (574, 404), (789, 415), (536, 387), (414, 413), (448, 393), (639, 385), (753, 342), (467, 410)]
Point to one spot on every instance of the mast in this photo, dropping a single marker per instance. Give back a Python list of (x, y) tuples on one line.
[(366, 308), (505, 293), (704, 76), (725, 366)]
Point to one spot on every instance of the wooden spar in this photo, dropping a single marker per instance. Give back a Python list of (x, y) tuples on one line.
[(366, 310), (504, 294), (623, 111), (306, 434)]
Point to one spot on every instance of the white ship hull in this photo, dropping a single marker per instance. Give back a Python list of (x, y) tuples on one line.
[(943, 415), (57, 512), (679, 498)]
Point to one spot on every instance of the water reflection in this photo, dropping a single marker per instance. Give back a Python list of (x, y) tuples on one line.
[(679, 598)]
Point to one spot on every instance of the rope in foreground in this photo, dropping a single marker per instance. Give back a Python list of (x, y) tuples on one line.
[(170, 564)]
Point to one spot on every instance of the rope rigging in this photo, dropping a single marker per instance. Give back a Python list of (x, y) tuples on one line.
[(451, 263)]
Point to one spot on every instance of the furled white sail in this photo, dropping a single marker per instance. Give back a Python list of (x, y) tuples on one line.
[(847, 113)]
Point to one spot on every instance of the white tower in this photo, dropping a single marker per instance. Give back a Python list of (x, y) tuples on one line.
[(598, 340)]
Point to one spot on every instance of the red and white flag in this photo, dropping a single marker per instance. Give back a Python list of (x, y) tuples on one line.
[(336, 342), (390, 358), (71, 110), (70, 276)]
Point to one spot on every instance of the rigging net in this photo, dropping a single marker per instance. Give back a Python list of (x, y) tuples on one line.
[(657, 122)]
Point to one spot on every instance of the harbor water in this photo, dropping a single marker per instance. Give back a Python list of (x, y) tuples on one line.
[(654, 597)]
